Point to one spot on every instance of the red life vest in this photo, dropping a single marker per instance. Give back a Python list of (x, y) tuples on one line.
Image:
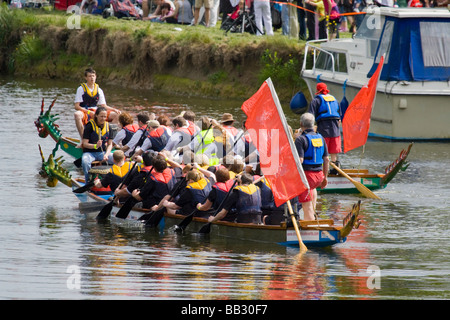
[(130, 129), (222, 188), (231, 130), (158, 138), (191, 127), (189, 130), (164, 182)]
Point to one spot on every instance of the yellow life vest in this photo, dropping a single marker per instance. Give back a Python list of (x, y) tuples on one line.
[(120, 171), (86, 89)]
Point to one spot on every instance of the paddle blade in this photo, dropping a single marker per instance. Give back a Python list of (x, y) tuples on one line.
[(361, 188), (155, 218), (183, 224), (84, 188), (146, 216), (126, 208), (106, 211), (365, 191), (77, 163), (206, 228)]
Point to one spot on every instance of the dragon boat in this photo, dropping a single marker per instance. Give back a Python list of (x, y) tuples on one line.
[(337, 183), (315, 233), (46, 126), (373, 181)]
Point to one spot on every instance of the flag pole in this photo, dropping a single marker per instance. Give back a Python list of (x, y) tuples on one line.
[(297, 162), (286, 130)]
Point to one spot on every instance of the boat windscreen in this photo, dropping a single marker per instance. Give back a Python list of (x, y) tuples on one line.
[(370, 30), (370, 27)]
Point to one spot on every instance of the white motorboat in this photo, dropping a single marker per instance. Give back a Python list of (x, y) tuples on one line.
[(413, 93)]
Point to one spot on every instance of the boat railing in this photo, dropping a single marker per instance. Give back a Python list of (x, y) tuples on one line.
[(315, 49)]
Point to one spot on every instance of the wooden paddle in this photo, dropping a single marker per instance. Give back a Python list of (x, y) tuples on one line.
[(301, 245), (124, 211), (361, 188), (207, 227), (106, 210)]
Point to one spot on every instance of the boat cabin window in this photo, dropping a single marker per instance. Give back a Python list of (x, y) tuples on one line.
[(386, 40), (324, 62), (435, 39), (370, 30)]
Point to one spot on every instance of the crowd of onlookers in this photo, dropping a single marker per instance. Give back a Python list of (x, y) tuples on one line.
[(306, 19)]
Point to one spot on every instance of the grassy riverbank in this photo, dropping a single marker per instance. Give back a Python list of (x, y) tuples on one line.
[(172, 58)]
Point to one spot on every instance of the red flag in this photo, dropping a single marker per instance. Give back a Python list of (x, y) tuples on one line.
[(269, 131), (356, 123)]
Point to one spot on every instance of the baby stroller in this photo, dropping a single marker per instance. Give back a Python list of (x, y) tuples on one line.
[(238, 22), (230, 19)]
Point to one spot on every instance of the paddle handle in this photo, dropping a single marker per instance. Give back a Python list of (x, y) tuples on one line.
[(362, 188), (226, 197), (206, 227), (302, 246)]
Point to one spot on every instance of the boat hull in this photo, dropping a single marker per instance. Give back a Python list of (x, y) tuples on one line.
[(322, 233), (397, 115), (319, 233), (340, 184)]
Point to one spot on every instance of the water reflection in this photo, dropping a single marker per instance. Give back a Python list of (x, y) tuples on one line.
[(151, 264)]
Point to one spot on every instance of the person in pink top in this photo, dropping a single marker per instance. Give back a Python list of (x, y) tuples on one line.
[(334, 17)]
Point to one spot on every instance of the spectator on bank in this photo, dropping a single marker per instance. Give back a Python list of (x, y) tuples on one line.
[(334, 17), (360, 6), (284, 17), (310, 21), (263, 14), (88, 6), (183, 12), (301, 16), (214, 13), (346, 6), (157, 13), (207, 4), (320, 18), (167, 14)]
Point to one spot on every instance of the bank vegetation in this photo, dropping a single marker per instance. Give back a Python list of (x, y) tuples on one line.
[(171, 58)]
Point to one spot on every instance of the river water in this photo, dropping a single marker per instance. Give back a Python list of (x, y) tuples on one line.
[(51, 251)]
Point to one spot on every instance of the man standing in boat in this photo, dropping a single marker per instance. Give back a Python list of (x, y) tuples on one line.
[(89, 96), (326, 111), (313, 154)]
